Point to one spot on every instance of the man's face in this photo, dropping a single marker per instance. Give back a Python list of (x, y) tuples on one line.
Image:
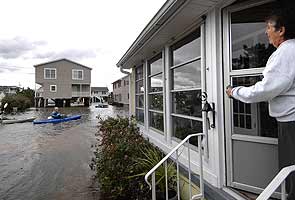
[(274, 36)]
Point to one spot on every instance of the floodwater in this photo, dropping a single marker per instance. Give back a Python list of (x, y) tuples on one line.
[(50, 161)]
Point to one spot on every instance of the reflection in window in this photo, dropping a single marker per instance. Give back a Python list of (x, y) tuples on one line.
[(139, 94), (155, 74), (139, 101), (183, 127), (139, 115), (139, 86), (187, 103), (186, 86), (187, 48), (187, 76), (156, 83), (156, 121), (156, 101), (250, 45), (252, 119)]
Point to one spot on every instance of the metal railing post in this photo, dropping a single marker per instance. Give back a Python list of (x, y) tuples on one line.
[(283, 190), (189, 170), (166, 180), (177, 174), (201, 166), (154, 186)]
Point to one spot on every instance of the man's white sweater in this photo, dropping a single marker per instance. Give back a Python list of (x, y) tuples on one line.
[(277, 86)]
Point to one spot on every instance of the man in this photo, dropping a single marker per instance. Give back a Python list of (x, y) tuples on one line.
[(55, 114), (278, 88)]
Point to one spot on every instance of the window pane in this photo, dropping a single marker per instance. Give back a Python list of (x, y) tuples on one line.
[(79, 74), (139, 87), (139, 115), (47, 73), (156, 121), (139, 101), (139, 73), (252, 119), (156, 101), (53, 74), (187, 103), (187, 49), (250, 46), (156, 65), (187, 76), (156, 83), (183, 127)]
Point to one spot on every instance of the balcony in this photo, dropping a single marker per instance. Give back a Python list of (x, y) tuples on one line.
[(81, 94)]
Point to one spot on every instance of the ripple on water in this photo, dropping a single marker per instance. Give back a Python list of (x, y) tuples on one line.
[(47, 161)]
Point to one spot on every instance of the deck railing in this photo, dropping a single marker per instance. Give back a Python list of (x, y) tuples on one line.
[(278, 180), (152, 172)]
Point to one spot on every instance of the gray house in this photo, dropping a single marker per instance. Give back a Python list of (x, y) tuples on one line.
[(62, 82), (121, 91)]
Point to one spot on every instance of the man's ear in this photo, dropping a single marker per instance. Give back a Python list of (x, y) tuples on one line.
[(282, 31)]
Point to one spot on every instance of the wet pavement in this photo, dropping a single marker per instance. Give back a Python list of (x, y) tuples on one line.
[(50, 161)]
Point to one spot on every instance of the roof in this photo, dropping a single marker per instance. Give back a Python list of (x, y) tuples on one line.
[(6, 88), (120, 79), (99, 89), (63, 59), (174, 19)]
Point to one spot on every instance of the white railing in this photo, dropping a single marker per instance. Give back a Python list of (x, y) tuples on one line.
[(80, 94), (276, 182), (164, 160)]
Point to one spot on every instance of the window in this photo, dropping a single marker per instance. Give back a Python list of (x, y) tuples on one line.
[(155, 92), (103, 92), (139, 94), (77, 74), (119, 84), (186, 86), (52, 88), (49, 73)]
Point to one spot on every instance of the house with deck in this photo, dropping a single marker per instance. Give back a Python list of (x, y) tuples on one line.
[(98, 93), (179, 67), (8, 90), (62, 82)]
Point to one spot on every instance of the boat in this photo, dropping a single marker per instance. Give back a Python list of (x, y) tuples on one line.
[(12, 121), (102, 105), (45, 121)]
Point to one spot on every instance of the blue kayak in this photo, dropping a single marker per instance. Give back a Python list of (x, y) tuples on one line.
[(45, 121)]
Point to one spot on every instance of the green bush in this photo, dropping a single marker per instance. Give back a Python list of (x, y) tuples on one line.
[(18, 100), (116, 160)]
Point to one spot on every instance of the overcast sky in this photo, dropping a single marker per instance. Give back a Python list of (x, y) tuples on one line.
[(94, 33)]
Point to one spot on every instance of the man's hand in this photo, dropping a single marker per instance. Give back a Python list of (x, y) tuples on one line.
[(228, 91)]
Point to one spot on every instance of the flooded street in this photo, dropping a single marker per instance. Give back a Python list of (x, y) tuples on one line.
[(50, 161)]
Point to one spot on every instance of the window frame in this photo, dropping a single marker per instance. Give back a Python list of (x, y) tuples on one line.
[(178, 44), (51, 69), (50, 88), (150, 110), (140, 93), (77, 70)]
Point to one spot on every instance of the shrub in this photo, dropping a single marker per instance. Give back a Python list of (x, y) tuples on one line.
[(115, 161), (19, 101)]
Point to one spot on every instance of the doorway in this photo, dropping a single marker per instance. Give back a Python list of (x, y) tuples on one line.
[(251, 135)]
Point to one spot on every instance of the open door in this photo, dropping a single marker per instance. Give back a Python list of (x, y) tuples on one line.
[(251, 135)]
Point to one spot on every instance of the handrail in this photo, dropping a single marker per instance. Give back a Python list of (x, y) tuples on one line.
[(276, 182), (175, 149)]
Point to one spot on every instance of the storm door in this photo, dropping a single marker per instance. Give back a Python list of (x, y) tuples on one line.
[(251, 135)]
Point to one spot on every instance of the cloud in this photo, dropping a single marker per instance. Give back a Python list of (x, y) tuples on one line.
[(76, 54), (18, 46), (4, 67)]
